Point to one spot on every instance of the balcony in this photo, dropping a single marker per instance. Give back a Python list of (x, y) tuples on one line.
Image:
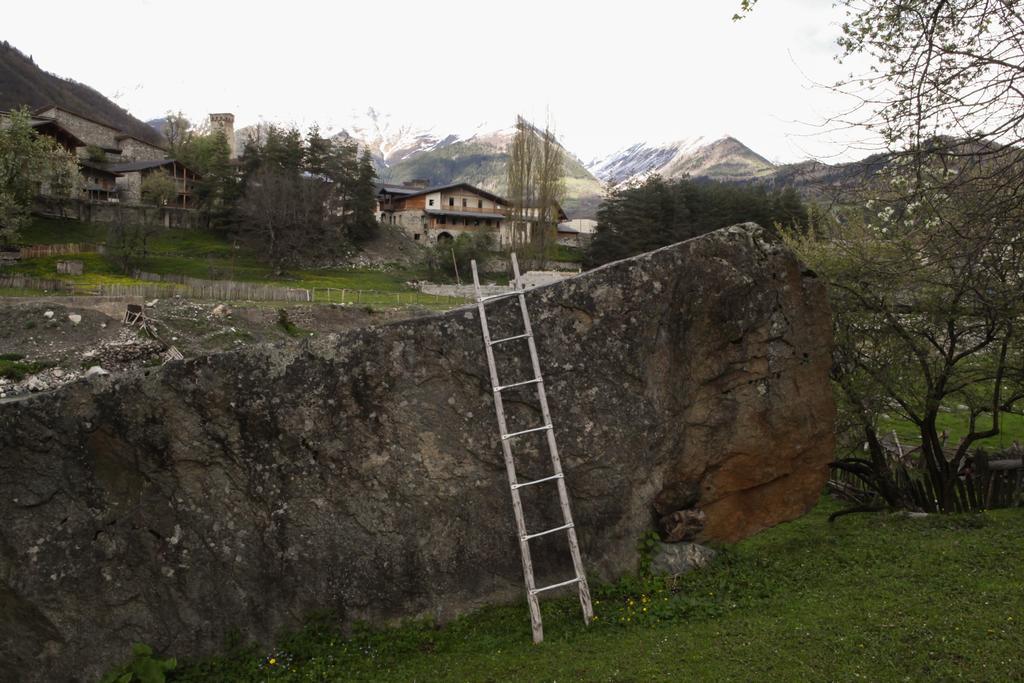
[(468, 209)]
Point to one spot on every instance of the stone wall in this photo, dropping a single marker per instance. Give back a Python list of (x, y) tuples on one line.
[(136, 150), (111, 212), (361, 472), (89, 132)]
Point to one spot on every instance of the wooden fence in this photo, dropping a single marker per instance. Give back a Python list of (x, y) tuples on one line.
[(227, 290), (984, 482), (39, 250)]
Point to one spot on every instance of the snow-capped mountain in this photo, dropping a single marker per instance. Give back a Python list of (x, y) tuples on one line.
[(639, 161), (390, 141), (722, 159)]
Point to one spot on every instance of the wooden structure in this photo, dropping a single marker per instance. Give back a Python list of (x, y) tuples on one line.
[(557, 476), (71, 267)]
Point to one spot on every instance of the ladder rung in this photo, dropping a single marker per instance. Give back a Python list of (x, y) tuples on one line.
[(527, 537), (538, 481), (555, 585), (535, 380), (508, 339), (526, 431), (503, 295)]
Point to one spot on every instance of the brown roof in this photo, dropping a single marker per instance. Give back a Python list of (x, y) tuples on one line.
[(415, 192)]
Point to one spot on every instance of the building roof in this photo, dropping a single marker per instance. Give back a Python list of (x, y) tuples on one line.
[(43, 123), (128, 136), (102, 168), (118, 132), (566, 228), (135, 166), (415, 192), (397, 189), (40, 110)]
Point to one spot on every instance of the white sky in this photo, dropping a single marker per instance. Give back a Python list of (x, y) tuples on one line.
[(609, 74)]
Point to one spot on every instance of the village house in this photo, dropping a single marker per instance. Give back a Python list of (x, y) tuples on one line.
[(113, 164), (442, 213)]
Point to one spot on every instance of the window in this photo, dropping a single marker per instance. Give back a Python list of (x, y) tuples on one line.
[(431, 202), (479, 203), (476, 222), (415, 235), (451, 201), (463, 202)]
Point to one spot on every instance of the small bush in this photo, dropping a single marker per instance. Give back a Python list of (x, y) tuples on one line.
[(143, 668)]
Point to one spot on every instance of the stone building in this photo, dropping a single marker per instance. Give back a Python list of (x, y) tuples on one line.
[(113, 163), (441, 213), (118, 145)]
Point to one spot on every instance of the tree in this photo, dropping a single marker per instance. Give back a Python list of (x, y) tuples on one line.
[(926, 283), (635, 219), (128, 243), (178, 132), (284, 216), (535, 171), (449, 255), (29, 164), (362, 222), (928, 307), (159, 188), (216, 190)]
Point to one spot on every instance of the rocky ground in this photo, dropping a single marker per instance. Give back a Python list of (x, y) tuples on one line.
[(45, 344)]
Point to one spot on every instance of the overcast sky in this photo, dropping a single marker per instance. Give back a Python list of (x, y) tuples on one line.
[(608, 73)]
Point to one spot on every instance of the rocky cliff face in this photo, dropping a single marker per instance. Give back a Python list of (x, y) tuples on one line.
[(361, 473)]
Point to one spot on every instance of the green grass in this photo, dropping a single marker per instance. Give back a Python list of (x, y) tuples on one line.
[(198, 254), (955, 423), (876, 598), (13, 368), (60, 231)]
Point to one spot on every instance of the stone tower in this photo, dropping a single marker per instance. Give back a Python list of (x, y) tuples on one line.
[(226, 123)]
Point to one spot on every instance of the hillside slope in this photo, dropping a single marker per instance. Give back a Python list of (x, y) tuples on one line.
[(23, 83)]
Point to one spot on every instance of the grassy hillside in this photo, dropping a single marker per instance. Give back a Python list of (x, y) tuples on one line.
[(877, 598), (194, 253), (22, 82)]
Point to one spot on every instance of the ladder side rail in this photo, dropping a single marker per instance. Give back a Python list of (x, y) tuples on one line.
[(556, 463), (510, 468)]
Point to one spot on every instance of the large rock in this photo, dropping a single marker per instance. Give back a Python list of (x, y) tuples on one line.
[(361, 472)]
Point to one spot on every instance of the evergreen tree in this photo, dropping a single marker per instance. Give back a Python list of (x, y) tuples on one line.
[(364, 205), (640, 218)]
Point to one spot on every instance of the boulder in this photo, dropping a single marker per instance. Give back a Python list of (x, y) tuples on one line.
[(48, 315), (220, 311), (673, 559), (683, 525), (74, 318), (36, 383), (361, 472), (96, 371)]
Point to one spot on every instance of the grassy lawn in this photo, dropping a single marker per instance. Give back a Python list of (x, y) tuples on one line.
[(198, 254), (955, 423), (870, 597)]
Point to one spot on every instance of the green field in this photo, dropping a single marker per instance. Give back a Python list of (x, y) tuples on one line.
[(955, 422), (870, 597), (197, 254)]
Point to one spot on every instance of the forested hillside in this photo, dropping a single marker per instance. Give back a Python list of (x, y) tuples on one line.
[(23, 83)]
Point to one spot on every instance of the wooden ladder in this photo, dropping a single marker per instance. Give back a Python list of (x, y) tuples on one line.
[(506, 446)]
